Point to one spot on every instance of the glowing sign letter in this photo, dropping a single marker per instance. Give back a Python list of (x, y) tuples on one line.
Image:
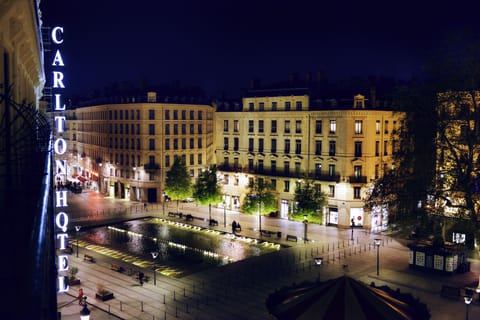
[(61, 197), (63, 262), (58, 79), (57, 31), (62, 284), (57, 60), (60, 146), (57, 103)]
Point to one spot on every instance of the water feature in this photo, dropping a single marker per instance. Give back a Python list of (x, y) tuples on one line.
[(183, 247)]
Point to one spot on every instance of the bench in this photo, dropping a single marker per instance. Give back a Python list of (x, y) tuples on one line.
[(267, 233), (239, 229), (88, 258), (189, 217), (213, 222), (172, 214), (450, 292), (291, 238), (116, 267)]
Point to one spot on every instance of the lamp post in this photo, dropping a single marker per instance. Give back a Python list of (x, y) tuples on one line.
[(224, 214), (84, 313), (154, 256), (377, 244), (468, 300), (351, 226), (163, 203), (305, 222), (77, 228), (260, 214)]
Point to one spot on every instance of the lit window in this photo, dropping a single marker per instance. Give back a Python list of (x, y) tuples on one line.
[(333, 126), (358, 126)]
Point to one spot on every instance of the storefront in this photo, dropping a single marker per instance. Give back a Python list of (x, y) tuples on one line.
[(357, 215), (332, 216)]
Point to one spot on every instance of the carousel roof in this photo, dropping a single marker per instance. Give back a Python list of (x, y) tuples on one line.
[(344, 298)]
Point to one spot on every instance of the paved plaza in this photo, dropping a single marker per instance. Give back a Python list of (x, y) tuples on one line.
[(239, 290)]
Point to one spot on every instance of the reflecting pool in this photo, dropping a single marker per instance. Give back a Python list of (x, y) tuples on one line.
[(181, 247)]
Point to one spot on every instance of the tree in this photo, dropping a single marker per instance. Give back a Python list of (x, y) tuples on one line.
[(207, 190), (260, 199), (308, 202), (178, 185)]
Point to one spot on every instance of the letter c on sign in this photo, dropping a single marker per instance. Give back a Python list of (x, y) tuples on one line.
[(57, 31)]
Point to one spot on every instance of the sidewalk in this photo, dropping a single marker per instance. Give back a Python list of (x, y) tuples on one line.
[(239, 290)]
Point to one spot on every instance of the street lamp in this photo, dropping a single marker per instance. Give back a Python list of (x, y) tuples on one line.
[(84, 313), (352, 225), (154, 256), (163, 204), (468, 300), (224, 214), (77, 228), (377, 244), (260, 214), (305, 222)]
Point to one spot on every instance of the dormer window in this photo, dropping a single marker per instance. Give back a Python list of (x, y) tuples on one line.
[(359, 102)]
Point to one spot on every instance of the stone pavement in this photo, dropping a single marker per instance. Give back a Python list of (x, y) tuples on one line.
[(239, 290)]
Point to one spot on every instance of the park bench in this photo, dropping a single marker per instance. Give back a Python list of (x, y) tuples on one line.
[(213, 222), (88, 258), (267, 233), (189, 217), (450, 292), (172, 214), (116, 267), (238, 228), (291, 238)]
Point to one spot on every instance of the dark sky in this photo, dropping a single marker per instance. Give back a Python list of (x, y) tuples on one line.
[(221, 45)]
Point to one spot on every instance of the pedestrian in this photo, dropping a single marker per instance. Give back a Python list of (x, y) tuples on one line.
[(353, 222), (234, 226), (145, 206), (239, 227), (80, 296), (140, 277)]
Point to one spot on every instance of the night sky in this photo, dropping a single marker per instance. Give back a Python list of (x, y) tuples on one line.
[(221, 45)]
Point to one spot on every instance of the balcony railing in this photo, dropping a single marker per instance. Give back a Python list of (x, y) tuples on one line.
[(358, 179), (151, 167)]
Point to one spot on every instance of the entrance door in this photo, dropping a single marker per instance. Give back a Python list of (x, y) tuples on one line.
[(152, 195), (284, 209)]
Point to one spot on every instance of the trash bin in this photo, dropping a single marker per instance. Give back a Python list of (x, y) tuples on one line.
[(279, 234)]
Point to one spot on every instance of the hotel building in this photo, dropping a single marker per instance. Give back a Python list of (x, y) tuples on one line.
[(282, 136)]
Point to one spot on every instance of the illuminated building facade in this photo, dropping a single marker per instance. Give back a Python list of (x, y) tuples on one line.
[(127, 148), (284, 137)]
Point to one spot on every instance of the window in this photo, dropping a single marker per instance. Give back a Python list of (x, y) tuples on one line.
[(225, 162), (235, 126), (274, 126), (250, 164), (394, 127), (273, 166), (386, 127), (175, 129), (377, 148), (274, 145), (192, 143), (225, 125), (184, 114), (377, 127), (225, 143), (332, 147), (138, 144), (151, 114), (184, 128), (175, 114), (286, 186), (287, 126), (385, 145), (260, 145), (356, 192), (318, 147), (250, 145), (192, 115), (250, 126), (358, 148), (151, 144), (298, 146), (358, 126), (298, 126), (192, 128), (318, 170), (377, 171), (260, 165), (261, 106), (250, 106), (357, 171), (274, 106), (287, 146), (175, 144), (333, 126), (235, 163), (331, 191), (167, 161), (331, 170), (151, 129), (225, 178), (199, 158), (235, 144), (318, 126), (260, 126), (273, 182), (199, 143), (286, 168), (298, 105), (192, 159), (288, 106), (200, 128), (184, 143), (297, 169)]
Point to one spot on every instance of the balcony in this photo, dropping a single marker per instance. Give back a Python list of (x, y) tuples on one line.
[(326, 177), (151, 167), (358, 179)]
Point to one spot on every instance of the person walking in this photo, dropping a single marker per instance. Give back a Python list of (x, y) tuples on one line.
[(140, 277), (234, 226), (80, 296)]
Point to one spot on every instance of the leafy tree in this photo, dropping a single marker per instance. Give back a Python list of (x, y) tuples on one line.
[(207, 190), (308, 202), (178, 185), (260, 198)]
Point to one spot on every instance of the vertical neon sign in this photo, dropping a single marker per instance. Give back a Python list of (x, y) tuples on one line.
[(60, 148)]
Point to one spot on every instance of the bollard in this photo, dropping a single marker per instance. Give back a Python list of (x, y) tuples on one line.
[(141, 304), (121, 306), (163, 299), (328, 247)]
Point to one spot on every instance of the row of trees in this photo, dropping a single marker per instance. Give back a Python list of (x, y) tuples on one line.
[(261, 198)]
